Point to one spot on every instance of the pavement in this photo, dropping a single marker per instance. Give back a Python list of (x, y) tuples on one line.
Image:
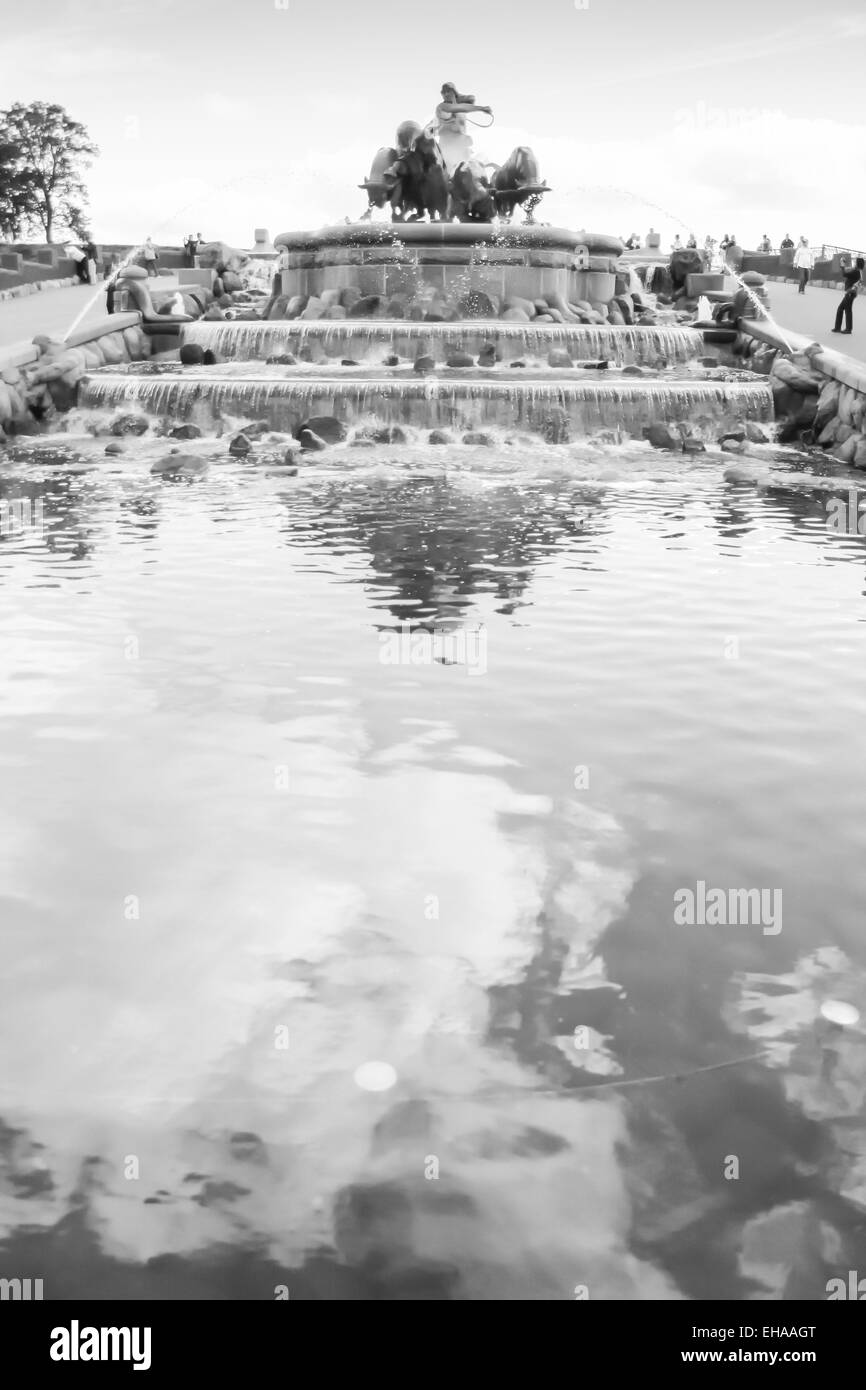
[(54, 311), (814, 313)]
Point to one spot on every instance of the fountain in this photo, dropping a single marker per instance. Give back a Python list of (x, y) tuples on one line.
[(423, 323)]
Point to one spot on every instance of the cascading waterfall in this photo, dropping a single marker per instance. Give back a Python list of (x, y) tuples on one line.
[(623, 403), (362, 340)]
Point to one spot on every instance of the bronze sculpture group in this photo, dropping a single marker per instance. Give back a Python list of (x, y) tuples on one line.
[(434, 172)]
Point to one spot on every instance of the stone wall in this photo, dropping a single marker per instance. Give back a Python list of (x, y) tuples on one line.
[(39, 379), (819, 394)]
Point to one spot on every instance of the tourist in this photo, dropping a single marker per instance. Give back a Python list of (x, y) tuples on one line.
[(191, 247), (733, 253), (786, 243), (149, 255), (78, 255), (692, 243), (724, 243), (766, 246), (709, 252), (653, 239), (804, 260), (853, 281), (676, 244), (92, 255)]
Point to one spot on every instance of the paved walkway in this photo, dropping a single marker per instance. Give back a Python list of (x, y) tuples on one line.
[(54, 311), (814, 314)]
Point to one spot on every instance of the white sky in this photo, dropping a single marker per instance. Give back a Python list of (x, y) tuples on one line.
[(220, 116)]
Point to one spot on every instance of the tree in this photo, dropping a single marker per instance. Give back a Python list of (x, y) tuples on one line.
[(52, 153), (16, 205)]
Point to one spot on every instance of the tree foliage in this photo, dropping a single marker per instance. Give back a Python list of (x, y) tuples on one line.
[(43, 156)]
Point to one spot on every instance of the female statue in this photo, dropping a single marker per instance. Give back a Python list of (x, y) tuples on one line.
[(449, 128)]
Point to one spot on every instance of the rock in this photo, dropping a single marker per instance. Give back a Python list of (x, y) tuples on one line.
[(600, 366), (281, 359), (362, 442), (296, 306), (785, 400), (327, 427), (389, 434), (634, 370), (335, 311), (558, 357), (648, 320), (114, 448), (518, 362), (350, 296), (847, 450), (348, 362), (488, 356), (424, 363), (556, 427), (478, 437), (660, 437), (365, 307), (843, 431), (709, 362), (733, 446), (460, 359), (752, 278), (806, 382), (755, 434), (209, 358), (543, 318), (240, 446), (176, 465), (477, 305), (130, 424), (311, 442), (186, 432), (439, 437), (392, 360), (290, 458), (859, 456), (314, 309), (694, 446), (515, 315), (625, 307), (739, 435)]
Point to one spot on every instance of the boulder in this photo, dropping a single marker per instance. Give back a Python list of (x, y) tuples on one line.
[(130, 424), (424, 363), (518, 362), (114, 447), (186, 432), (177, 465), (327, 427), (479, 437), (311, 442), (439, 437), (366, 307), (556, 428), (799, 379), (859, 457), (755, 434), (694, 446), (517, 302), (558, 357), (733, 446), (314, 309), (389, 434), (488, 356), (240, 446), (335, 311), (348, 362), (634, 370), (846, 451), (626, 308), (329, 297), (296, 306), (660, 437), (350, 296), (460, 359), (392, 360), (281, 359), (477, 305), (191, 354), (515, 315)]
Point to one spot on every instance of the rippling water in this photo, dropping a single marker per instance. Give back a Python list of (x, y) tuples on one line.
[(249, 848)]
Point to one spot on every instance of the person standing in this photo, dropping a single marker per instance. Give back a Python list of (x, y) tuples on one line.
[(853, 281), (786, 243), (149, 255), (92, 255), (692, 243), (676, 244), (190, 246), (803, 261)]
